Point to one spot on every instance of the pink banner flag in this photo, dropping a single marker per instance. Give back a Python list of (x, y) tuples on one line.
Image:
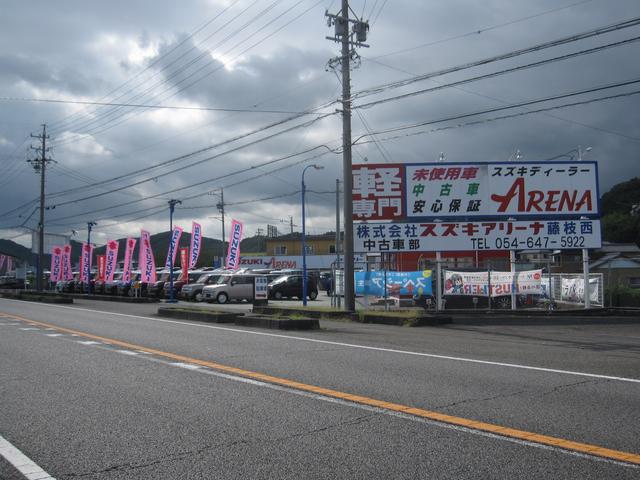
[(56, 264), (67, 273), (85, 262), (112, 260), (174, 242), (128, 258), (233, 253), (196, 243), (9, 264), (2, 257), (146, 261)]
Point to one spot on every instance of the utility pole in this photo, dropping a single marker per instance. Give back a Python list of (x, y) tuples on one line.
[(346, 37), (220, 207), (39, 165)]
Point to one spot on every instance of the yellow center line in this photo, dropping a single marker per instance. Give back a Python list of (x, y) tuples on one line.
[(513, 433)]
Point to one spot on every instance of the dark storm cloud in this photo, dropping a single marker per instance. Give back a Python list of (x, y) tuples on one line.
[(86, 50)]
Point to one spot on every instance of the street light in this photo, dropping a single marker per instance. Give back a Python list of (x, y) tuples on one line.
[(172, 206), (573, 154), (304, 246)]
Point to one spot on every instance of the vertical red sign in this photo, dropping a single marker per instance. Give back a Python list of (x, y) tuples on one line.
[(184, 261), (102, 263), (378, 191)]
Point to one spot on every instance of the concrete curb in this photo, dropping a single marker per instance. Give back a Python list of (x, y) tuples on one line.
[(112, 298), (198, 315), (266, 321), (38, 297)]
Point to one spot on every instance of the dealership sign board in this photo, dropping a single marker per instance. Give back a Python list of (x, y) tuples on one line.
[(487, 235), (475, 190)]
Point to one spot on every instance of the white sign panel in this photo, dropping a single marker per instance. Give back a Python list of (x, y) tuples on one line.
[(281, 262), (50, 240), (489, 235), (260, 288), (478, 284), (473, 190)]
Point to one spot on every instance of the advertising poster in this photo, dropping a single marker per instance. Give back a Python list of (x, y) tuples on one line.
[(397, 283), (573, 290), (476, 284)]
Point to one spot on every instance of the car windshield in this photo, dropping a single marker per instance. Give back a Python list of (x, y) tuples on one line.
[(203, 278), (223, 279)]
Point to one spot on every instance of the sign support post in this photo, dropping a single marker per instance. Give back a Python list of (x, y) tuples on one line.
[(585, 271), (438, 281)]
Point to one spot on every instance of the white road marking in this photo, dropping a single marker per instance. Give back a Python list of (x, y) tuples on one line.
[(55, 334), (127, 352), (352, 345), (88, 342), (29, 328), (187, 366), (21, 462)]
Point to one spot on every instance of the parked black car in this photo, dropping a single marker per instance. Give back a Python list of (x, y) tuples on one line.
[(290, 286), (157, 289)]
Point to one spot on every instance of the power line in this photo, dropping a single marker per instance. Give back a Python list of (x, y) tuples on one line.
[(198, 162), (501, 72), (480, 30), (159, 58), (94, 131), (150, 107), (488, 120), (535, 48)]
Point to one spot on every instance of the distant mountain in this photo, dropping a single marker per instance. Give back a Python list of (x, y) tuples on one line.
[(211, 248)]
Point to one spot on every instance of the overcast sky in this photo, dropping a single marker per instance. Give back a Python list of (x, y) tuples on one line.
[(243, 65)]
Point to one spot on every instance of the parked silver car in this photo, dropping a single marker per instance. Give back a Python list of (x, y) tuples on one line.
[(237, 286)]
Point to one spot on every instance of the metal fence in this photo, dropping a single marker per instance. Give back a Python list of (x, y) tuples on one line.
[(559, 290)]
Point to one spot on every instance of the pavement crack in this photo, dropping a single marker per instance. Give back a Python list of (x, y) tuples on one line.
[(553, 390)]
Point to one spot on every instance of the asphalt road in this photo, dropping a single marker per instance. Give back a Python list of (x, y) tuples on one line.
[(139, 397)]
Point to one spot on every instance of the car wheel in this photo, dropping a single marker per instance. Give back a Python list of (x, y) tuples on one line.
[(198, 297), (223, 297), (277, 295), (503, 302), (313, 295)]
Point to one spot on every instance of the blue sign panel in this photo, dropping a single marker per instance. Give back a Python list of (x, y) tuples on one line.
[(397, 283)]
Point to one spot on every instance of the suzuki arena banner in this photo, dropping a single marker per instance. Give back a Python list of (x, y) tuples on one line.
[(2, 259), (128, 258), (397, 283), (184, 261), (9, 264), (67, 272), (146, 262), (56, 264), (85, 262), (173, 248), (468, 190), (102, 263), (112, 260), (573, 290), (476, 284), (196, 242), (233, 253), (461, 236)]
